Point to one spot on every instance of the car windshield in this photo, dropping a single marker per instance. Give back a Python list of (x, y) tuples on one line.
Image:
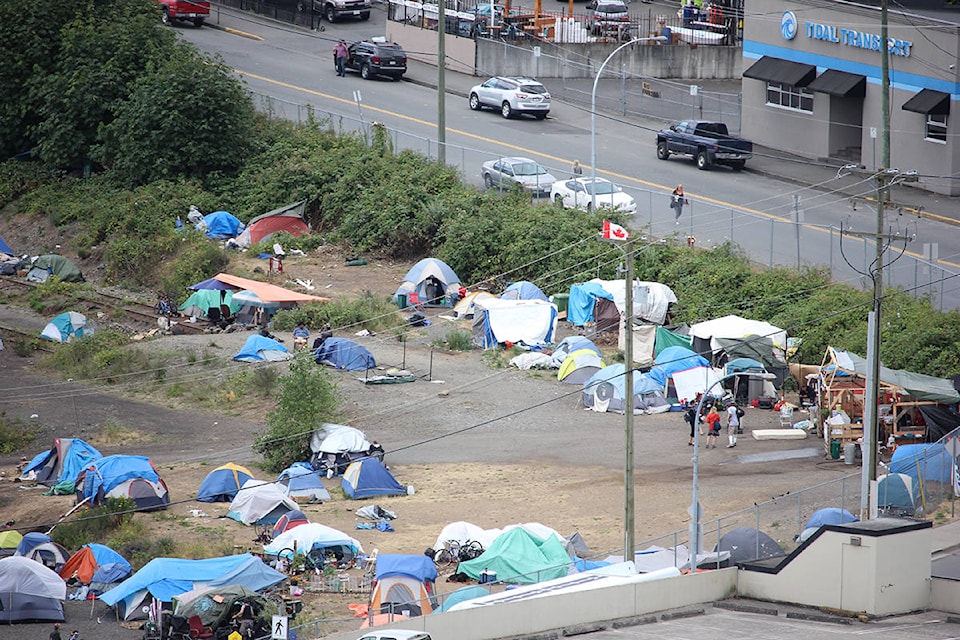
[(601, 188), (534, 88), (528, 169), (612, 8)]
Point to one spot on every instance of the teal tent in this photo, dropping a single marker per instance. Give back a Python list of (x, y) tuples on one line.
[(200, 301), (518, 556)]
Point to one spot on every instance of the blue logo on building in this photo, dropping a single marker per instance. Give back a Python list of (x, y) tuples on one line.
[(788, 25)]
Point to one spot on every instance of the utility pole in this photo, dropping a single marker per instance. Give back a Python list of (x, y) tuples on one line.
[(442, 82), (628, 489)]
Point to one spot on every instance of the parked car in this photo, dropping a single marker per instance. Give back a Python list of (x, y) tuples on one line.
[(376, 58), (578, 193), (708, 143), (511, 95), (506, 172), (334, 10), (609, 18)]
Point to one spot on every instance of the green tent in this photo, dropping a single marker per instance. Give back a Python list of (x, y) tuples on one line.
[(200, 301), (215, 605), (59, 266), (518, 556), (666, 338)]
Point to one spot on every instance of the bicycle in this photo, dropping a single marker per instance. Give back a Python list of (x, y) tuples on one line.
[(454, 552)]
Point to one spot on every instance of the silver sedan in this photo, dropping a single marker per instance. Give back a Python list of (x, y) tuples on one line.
[(503, 173)]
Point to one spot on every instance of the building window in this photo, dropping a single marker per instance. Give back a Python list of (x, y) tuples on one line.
[(937, 127), (789, 97)]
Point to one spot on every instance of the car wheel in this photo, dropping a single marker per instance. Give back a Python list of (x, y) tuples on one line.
[(737, 165), (505, 110), (589, 207), (475, 102), (365, 71), (165, 16), (703, 162), (663, 150), (331, 15), (541, 116), (198, 22), (487, 181), (365, 15), (558, 199)]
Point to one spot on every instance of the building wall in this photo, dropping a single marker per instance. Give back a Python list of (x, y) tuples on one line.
[(421, 45)]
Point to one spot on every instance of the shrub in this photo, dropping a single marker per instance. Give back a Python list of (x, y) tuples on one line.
[(366, 312), (15, 434), (96, 523), (457, 340)]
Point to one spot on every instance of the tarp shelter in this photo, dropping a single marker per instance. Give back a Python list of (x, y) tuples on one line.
[(582, 306), (164, 578), (897, 494), (466, 308), (518, 556), (734, 326), (404, 583), (120, 476), (96, 563), (828, 515), (530, 322), (260, 502), (5, 248), (651, 300), (606, 391), (925, 462), (570, 344), (430, 279), (579, 366), (690, 373), (288, 218), (335, 446), (201, 301), (222, 484), (303, 483), (666, 338), (212, 284), (344, 354), (290, 520), (916, 385), (523, 290), (62, 463), (39, 547), (215, 605), (67, 327), (52, 264), (259, 348), (368, 478), (314, 539), (268, 292), (30, 591), (461, 533), (747, 544), (221, 225)]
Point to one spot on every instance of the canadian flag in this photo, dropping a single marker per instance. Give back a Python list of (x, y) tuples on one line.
[(613, 231)]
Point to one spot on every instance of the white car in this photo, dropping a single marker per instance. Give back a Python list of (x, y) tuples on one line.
[(395, 634), (506, 172), (579, 194), (511, 96)]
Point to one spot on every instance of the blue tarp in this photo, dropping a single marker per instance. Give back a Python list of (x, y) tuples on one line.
[(673, 359), (214, 284), (107, 473), (931, 462), (5, 248), (111, 566), (31, 541), (255, 344), (419, 567), (344, 354), (582, 298), (221, 225), (79, 455), (523, 290), (367, 478)]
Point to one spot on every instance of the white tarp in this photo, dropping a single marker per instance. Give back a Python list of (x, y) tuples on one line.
[(338, 438), (650, 299), (737, 327), (303, 538), (462, 532), (690, 382), (528, 321), (258, 498)]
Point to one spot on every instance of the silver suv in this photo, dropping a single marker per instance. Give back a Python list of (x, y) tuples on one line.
[(609, 18), (511, 96)]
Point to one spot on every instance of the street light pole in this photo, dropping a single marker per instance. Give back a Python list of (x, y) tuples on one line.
[(593, 113)]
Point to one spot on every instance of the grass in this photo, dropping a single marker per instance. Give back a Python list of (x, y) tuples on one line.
[(113, 434), (456, 340), (15, 433)]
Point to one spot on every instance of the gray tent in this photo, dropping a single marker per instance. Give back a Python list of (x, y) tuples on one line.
[(746, 545)]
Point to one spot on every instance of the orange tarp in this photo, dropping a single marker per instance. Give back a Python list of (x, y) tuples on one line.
[(266, 291), (83, 563)]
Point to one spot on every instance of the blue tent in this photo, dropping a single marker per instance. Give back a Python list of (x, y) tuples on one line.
[(929, 462), (830, 515), (462, 595), (222, 484), (344, 354), (430, 279), (416, 566), (111, 566), (63, 462), (259, 348), (673, 359), (743, 364), (898, 492), (221, 225), (367, 478), (303, 481), (583, 297), (610, 383), (523, 290), (5, 248), (106, 474)]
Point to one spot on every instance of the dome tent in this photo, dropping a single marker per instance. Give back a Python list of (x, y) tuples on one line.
[(222, 484), (430, 279), (30, 591), (606, 391)]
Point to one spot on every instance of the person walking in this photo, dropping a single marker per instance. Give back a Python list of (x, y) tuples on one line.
[(733, 425), (55, 634), (677, 200), (576, 169), (340, 56), (713, 426)]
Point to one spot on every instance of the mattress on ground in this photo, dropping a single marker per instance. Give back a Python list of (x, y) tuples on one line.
[(779, 434)]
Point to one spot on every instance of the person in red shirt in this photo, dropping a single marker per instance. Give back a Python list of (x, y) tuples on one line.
[(713, 424)]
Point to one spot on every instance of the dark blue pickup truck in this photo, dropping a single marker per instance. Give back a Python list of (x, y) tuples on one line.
[(708, 143)]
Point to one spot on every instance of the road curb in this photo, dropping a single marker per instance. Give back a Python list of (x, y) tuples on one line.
[(236, 32)]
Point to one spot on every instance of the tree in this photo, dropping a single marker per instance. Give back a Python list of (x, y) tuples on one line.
[(306, 400)]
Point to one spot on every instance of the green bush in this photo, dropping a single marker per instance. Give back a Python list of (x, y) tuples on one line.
[(95, 523), (366, 312), (457, 340), (15, 434)]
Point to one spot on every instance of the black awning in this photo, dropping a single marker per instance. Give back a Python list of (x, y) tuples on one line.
[(840, 84), (783, 71), (929, 101)]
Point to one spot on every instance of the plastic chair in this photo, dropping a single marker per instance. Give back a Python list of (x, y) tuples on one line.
[(786, 416), (413, 300), (197, 630)]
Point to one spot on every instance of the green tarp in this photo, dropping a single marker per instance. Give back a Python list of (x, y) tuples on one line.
[(198, 303), (59, 266), (917, 385), (666, 338), (215, 605), (518, 557)]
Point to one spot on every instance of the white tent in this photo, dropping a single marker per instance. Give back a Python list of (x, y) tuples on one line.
[(29, 591), (260, 502), (338, 438), (306, 537), (462, 532), (496, 321), (650, 299), (736, 327)]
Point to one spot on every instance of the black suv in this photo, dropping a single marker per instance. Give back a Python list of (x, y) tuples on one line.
[(372, 58)]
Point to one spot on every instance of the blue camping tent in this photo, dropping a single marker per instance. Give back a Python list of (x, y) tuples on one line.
[(5, 248), (462, 595), (221, 225), (259, 348), (673, 359), (107, 473), (416, 566), (583, 297), (367, 478), (222, 484), (63, 462), (344, 354), (828, 515), (898, 493), (96, 563), (430, 279), (607, 388), (303, 481), (744, 364), (523, 290), (929, 462), (570, 344)]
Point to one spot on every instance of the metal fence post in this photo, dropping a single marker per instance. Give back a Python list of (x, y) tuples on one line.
[(772, 223)]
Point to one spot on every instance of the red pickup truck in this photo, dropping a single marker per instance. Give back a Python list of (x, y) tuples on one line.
[(195, 11)]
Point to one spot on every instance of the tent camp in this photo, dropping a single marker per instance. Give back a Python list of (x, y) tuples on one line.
[(335, 446), (290, 520), (260, 502), (288, 219), (303, 483), (430, 279), (898, 495), (747, 544), (62, 463), (259, 348), (202, 301), (518, 556), (96, 563), (220, 225), (53, 265), (222, 484), (590, 302), (570, 344), (466, 308), (316, 540), (821, 517), (404, 584), (120, 476), (690, 373), (529, 322), (925, 463), (523, 290), (579, 366), (164, 578), (344, 354), (651, 300), (368, 478), (30, 591), (606, 391), (39, 547), (67, 327)]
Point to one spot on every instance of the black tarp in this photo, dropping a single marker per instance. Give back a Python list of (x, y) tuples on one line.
[(940, 420)]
